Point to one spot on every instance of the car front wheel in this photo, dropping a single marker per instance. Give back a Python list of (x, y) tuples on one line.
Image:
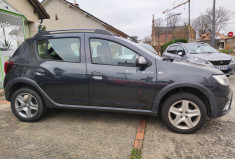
[(184, 113)]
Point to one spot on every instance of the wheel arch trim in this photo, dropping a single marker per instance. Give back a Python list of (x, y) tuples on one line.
[(205, 91), (26, 81)]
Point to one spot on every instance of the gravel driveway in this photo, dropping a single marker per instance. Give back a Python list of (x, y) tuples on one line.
[(215, 140), (67, 134)]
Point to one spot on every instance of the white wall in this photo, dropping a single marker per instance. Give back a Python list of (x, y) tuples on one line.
[(68, 17)]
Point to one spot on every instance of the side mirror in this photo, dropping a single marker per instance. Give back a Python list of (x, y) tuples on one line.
[(180, 53), (141, 61)]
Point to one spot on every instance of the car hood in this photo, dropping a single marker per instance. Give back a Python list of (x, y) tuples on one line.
[(213, 56), (192, 64)]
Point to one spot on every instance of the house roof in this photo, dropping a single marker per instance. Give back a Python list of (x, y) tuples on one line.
[(170, 29), (42, 14), (207, 35), (92, 16)]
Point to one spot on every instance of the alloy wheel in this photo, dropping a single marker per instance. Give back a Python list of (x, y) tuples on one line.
[(184, 114), (26, 105)]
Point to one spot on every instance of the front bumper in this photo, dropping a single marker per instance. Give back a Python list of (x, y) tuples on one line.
[(230, 70), (222, 97), (227, 108)]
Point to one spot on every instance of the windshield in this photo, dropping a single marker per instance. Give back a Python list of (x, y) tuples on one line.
[(149, 47), (200, 48), (144, 49)]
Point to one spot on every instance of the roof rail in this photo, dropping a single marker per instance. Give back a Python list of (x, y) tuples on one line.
[(96, 31), (180, 43)]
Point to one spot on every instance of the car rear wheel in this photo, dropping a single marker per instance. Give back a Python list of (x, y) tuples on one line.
[(184, 113), (27, 105)]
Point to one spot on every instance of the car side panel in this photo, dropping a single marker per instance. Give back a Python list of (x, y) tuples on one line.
[(121, 86)]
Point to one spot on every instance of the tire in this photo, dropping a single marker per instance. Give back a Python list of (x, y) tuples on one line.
[(184, 113), (27, 105)]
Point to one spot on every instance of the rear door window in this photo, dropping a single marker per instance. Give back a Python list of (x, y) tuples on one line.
[(67, 49), (62, 49)]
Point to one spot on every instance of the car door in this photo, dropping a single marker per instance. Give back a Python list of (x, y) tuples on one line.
[(114, 80), (179, 50), (170, 53), (61, 70)]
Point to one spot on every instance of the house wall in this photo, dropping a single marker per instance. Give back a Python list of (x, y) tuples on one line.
[(3, 5), (68, 17), (24, 8), (33, 28), (230, 43)]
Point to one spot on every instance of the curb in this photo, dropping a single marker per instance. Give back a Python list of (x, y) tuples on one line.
[(138, 144), (4, 102)]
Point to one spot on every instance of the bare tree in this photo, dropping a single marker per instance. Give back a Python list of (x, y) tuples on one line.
[(158, 28), (203, 23), (147, 40), (173, 20)]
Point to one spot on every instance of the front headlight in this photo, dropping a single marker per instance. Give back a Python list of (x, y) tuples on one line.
[(201, 61), (222, 79)]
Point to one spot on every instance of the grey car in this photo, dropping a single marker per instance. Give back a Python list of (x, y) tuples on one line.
[(201, 53), (92, 69)]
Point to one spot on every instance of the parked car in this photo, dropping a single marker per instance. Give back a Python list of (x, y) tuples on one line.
[(201, 53), (95, 70)]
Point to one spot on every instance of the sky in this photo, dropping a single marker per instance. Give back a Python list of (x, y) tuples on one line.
[(134, 17)]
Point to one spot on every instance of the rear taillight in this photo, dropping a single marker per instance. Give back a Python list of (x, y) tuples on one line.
[(7, 66)]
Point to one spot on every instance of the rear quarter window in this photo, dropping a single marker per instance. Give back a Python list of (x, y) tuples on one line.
[(22, 51), (41, 48)]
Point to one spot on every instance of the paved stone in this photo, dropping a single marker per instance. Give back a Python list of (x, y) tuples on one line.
[(67, 134), (215, 140)]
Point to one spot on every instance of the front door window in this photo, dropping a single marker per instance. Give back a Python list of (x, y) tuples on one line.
[(111, 53)]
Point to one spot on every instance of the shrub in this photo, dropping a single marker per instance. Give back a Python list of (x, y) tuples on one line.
[(227, 51)]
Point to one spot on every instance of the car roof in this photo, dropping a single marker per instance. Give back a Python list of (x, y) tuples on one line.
[(71, 31), (192, 43)]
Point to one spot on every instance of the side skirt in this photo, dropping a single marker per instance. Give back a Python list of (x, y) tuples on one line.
[(106, 109)]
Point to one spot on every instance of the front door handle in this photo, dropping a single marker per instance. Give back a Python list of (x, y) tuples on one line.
[(40, 72), (97, 75)]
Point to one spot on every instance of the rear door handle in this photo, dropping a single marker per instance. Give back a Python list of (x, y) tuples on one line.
[(97, 75), (40, 72)]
